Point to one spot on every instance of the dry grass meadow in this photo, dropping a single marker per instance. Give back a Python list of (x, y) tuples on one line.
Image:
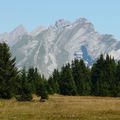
[(62, 108)]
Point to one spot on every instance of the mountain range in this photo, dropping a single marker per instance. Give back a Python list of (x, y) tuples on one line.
[(50, 47)]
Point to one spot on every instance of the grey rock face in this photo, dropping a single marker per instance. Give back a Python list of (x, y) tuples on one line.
[(49, 48)]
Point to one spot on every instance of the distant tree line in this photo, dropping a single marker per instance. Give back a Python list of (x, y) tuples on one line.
[(103, 79)]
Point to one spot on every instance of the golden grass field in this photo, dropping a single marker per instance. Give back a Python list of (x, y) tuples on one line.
[(62, 108)]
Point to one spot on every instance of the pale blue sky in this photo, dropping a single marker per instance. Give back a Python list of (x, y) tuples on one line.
[(104, 14)]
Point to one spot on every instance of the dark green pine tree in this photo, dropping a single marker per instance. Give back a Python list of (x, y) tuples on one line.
[(97, 77), (32, 77), (81, 75), (103, 76), (117, 81), (53, 82), (56, 78), (67, 84), (41, 89), (110, 69), (8, 72), (50, 85), (24, 92)]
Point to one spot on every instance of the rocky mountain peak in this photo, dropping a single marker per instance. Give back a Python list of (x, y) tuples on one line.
[(19, 30), (60, 43), (62, 23)]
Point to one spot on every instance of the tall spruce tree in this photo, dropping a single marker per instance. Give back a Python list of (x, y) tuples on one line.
[(8, 72), (81, 75), (67, 84), (33, 77), (41, 89), (103, 76), (53, 82), (24, 92), (97, 77), (50, 85), (117, 81), (56, 78), (110, 69)]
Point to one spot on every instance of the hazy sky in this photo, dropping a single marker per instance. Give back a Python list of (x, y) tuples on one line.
[(104, 14)]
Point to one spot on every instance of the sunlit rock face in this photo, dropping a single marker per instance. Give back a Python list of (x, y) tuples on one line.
[(51, 47)]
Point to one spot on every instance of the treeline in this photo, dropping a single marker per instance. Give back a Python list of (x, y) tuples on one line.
[(103, 79), (19, 84), (30, 82)]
